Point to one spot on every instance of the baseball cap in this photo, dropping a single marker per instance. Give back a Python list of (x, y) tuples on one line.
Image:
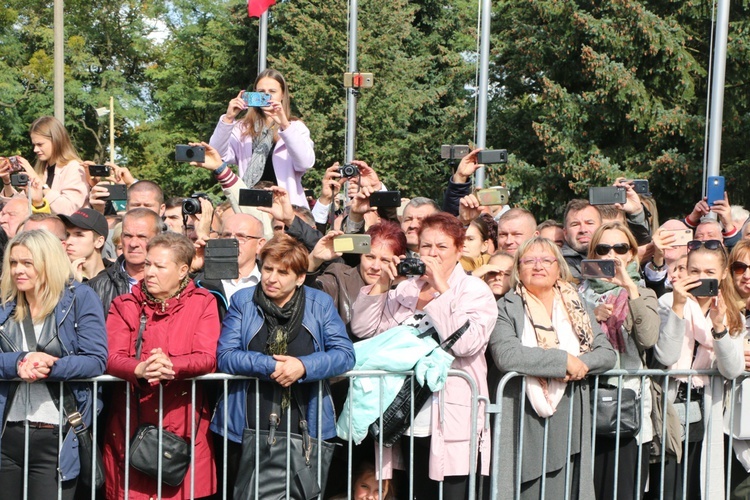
[(87, 218)]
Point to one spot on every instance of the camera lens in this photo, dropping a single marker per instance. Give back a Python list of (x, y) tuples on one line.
[(190, 153), (191, 206)]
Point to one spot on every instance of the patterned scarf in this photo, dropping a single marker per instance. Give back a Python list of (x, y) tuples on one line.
[(163, 302), (262, 147), (283, 323)]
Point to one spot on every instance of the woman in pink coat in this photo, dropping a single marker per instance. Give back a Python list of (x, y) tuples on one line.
[(444, 298), (267, 144)]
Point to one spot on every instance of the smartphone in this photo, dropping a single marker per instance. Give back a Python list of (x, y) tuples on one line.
[(385, 199), (598, 268), (116, 192), (15, 165), (352, 243), (453, 151), (681, 236), (255, 198), (492, 156), (714, 189), (221, 259), (99, 170), (607, 195), (708, 288), (256, 99), (492, 196), (183, 152), (640, 186)]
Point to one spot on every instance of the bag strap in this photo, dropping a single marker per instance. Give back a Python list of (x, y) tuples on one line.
[(138, 349), (70, 409), (450, 341)]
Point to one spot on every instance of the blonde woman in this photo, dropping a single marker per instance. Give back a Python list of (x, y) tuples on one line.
[(57, 169), (41, 304)]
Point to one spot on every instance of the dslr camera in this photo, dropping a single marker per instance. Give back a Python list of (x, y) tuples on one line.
[(192, 205), (410, 267), (349, 170)]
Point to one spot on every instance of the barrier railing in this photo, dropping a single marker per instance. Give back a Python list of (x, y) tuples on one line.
[(511, 390), (223, 459)]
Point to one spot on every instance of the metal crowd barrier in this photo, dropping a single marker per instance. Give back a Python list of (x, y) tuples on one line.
[(501, 491), (222, 473)]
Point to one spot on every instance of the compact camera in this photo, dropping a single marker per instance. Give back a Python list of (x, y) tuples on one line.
[(256, 99), (410, 267), (192, 205), (19, 179), (349, 170)]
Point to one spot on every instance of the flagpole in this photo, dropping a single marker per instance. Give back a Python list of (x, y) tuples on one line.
[(484, 70), (111, 129), (262, 41), (717, 92), (58, 89), (351, 92)]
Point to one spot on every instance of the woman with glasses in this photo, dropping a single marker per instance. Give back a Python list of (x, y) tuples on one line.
[(445, 298), (546, 331), (701, 328), (627, 313)]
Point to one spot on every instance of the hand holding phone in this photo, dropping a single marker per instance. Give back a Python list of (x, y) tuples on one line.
[(598, 268)]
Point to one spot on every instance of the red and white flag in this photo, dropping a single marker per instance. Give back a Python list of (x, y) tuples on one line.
[(256, 8)]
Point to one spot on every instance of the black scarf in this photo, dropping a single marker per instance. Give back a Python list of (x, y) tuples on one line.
[(284, 324)]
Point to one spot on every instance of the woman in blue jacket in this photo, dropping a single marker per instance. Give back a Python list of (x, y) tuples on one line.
[(286, 335), (42, 305)]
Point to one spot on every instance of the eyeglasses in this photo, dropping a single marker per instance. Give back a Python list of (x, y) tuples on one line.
[(545, 262), (241, 238), (708, 244), (619, 248), (739, 267)]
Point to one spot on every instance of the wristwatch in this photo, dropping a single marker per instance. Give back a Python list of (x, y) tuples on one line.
[(718, 335)]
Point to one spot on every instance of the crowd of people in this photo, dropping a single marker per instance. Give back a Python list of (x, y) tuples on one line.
[(89, 287)]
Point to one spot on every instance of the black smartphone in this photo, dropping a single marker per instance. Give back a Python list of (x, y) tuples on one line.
[(220, 259), (607, 195), (598, 268), (453, 151), (185, 153), (99, 170), (640, 186), (116, 192), (385, 199), (708, 288), (255, 198), (492, 156)]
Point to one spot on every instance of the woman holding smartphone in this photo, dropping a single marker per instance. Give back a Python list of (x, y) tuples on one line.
[(700, 330), (268, 143), (57, 169)]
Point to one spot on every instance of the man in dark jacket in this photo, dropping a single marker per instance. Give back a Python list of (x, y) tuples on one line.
[(139, 225)]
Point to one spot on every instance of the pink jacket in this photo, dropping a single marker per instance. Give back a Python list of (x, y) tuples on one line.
[(292, 156), (468, 298), (69, 190)]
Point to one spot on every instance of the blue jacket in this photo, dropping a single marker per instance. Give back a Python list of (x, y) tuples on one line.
[(334, 355), (80, 327)]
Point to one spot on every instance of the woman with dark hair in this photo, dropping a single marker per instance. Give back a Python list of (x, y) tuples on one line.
[(479, 242), (287, 335), (628, 314), (176, 326), (268, 143), (343, 282), (447, 299), (58, 170)]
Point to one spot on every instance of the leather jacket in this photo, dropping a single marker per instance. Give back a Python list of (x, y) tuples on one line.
[(110, 284)]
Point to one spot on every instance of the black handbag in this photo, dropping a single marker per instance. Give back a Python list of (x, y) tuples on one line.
[(606, 411), (144, 445), (268, 469), (396, 418), (88, 452)]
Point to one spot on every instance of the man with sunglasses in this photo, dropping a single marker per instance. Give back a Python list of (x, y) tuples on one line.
[(724, 229)]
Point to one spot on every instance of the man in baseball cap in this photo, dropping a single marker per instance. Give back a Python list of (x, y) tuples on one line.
[(87, 233)]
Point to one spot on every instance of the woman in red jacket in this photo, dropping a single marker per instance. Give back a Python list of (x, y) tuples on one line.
[(179, 342)]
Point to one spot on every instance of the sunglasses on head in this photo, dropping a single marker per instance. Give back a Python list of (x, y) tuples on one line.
[(739, 267), (708, 244), (619, 248)]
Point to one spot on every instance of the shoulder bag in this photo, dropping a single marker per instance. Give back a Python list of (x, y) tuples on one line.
[(145, 447)]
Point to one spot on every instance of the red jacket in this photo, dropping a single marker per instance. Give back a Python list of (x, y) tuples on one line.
[(187, 330)]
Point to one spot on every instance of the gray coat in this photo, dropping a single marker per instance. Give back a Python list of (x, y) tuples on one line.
[(510, 355)]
